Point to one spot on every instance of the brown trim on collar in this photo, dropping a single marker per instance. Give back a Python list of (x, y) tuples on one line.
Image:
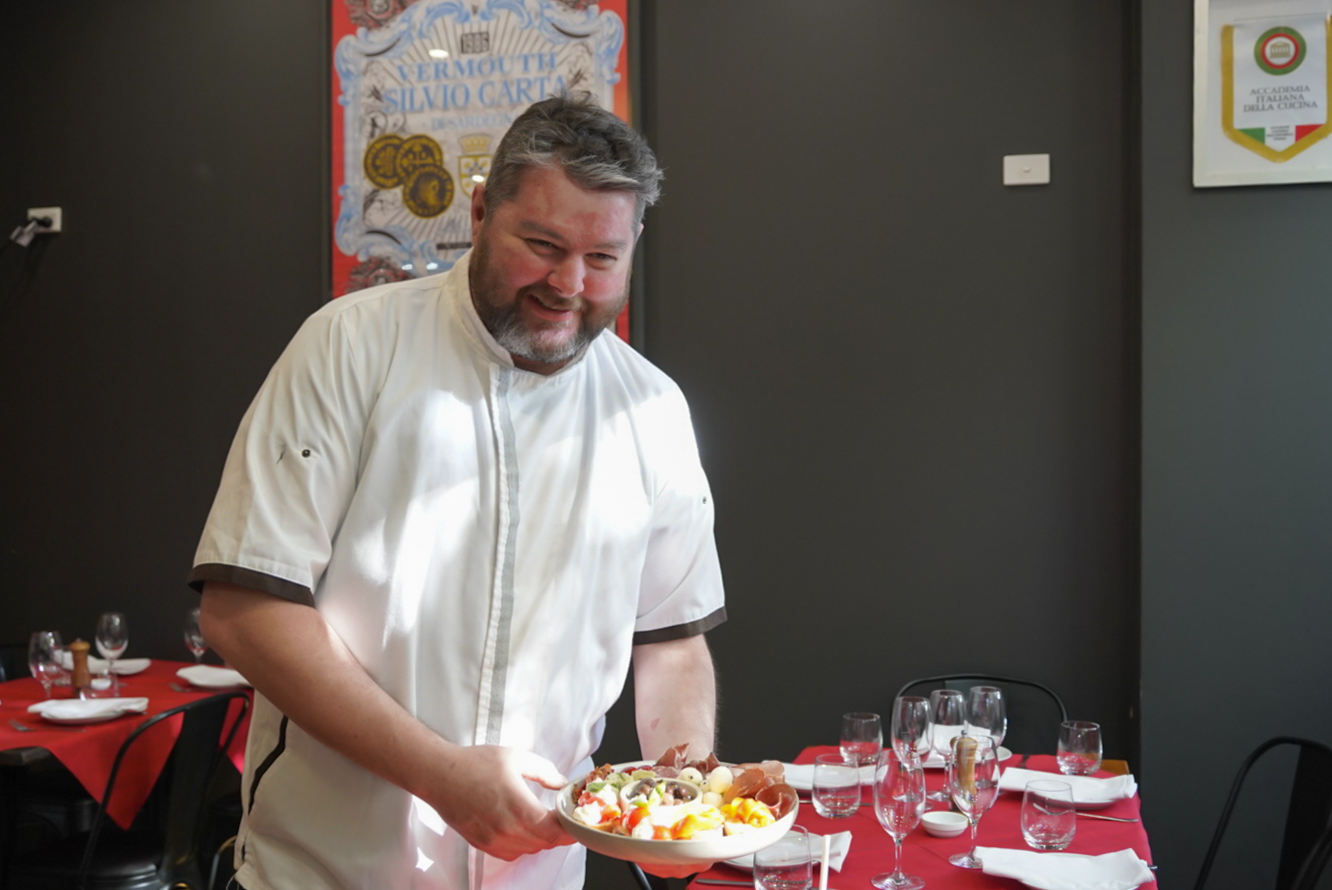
[(228, 574), (680, 631)]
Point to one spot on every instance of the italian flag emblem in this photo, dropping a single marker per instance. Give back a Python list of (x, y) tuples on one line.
[(1274, 84)]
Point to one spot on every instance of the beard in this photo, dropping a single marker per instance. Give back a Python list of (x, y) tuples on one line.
[(501, 311)]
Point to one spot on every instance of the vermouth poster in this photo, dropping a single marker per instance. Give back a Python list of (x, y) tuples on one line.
[(422, 92), (1262, 90)]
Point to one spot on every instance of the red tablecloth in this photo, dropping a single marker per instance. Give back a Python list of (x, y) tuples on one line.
[(89, 753), (927, 856)]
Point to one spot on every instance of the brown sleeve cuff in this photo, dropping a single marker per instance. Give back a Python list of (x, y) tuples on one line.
[(680, 631), (279, 587)]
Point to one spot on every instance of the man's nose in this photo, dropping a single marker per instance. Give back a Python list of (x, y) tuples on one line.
[(567, 277)]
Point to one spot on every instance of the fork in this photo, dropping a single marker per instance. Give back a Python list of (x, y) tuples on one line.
[(24, 728)]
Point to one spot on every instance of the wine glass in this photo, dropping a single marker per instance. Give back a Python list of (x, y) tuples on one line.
[(787, 864), (899, 802), (911, 727), (973, 783), (862, 738), (986, 714), (948, 719), (112, 641), (194, 638), (44, 658)]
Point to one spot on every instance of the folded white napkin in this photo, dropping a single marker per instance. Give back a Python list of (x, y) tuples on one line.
[(124, 666), (87, 709), (1086, 789), (212, 677), (838, 846), (800, 776), (1122, 870)]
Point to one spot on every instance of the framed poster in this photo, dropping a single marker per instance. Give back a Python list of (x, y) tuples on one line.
[(422, 92), (1261, 88)]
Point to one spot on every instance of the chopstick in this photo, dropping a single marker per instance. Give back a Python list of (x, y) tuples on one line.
[(1107, 818)]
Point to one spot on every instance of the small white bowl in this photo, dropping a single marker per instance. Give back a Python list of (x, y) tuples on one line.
[(944, 823)]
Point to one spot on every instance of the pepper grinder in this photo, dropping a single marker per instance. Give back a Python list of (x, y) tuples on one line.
[(80, 678)]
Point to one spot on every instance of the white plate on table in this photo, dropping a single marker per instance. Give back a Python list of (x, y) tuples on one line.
[(207, 676), (936, 761), (123, 666), (98, 710), (655, 852)]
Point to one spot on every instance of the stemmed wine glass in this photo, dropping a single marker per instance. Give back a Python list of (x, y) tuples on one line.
[(899, 802), (44, 658), (948, 721), (194, 638), (911, 727), (973, 783), (862, 738), (112, 641), (985, 713)]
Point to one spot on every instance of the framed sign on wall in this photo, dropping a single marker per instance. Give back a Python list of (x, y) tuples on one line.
[(422, 92), (1262, 83)]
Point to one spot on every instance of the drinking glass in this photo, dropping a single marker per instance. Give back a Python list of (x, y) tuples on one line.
[(44, 658), (985, 713), (911, 727), (899, 802), (836, 791), (862, 737), (1049, 819), (973, 783), (112, 640), (948, 719), (194, 638), (787, 864), (1079, 752)]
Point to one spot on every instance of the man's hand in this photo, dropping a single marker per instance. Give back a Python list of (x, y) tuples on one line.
[(487, 800), (292, 656)]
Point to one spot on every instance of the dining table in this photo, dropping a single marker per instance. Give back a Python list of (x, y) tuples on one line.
[(89, 750), (871, 849)]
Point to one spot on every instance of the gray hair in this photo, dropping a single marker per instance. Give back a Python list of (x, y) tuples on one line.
[(593, 147)]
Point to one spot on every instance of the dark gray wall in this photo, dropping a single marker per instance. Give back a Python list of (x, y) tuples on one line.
[(185, 144), (1237, 487), (914, 388)]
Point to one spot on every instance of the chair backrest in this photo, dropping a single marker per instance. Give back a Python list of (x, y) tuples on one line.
[(1308, 814), (194, 759), (1315, 864), (1034, 710)]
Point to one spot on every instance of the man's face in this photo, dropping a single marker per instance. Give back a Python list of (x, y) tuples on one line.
[(550, 268)]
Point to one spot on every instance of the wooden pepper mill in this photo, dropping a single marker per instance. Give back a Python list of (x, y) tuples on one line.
[(80, 678)]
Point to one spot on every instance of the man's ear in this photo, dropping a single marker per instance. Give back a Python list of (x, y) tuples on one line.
[(478, 208)]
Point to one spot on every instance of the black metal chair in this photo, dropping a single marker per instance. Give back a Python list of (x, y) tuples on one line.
[(1316, 863), (1034, 710), (1305, 837), (144, 858)]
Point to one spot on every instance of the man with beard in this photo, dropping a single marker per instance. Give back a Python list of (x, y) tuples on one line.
[(455, 513)]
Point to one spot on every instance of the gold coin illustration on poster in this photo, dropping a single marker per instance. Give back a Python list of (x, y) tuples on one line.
[(422, 92), (1262, 85)]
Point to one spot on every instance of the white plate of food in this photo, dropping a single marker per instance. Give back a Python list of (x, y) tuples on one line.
[(667, 807)]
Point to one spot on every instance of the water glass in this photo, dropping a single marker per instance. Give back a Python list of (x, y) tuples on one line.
[(948, 719), (194, 638), (787, 864), (986, 714), (1049, 819), (112, 640), (911, 727), (836, 792), (862, 737), (1079, 751), (44, 647)]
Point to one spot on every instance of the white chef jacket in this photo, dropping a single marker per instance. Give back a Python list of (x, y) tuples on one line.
[(489, 543)]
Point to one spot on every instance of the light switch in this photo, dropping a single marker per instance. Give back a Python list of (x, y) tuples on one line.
[(1026, 169)]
